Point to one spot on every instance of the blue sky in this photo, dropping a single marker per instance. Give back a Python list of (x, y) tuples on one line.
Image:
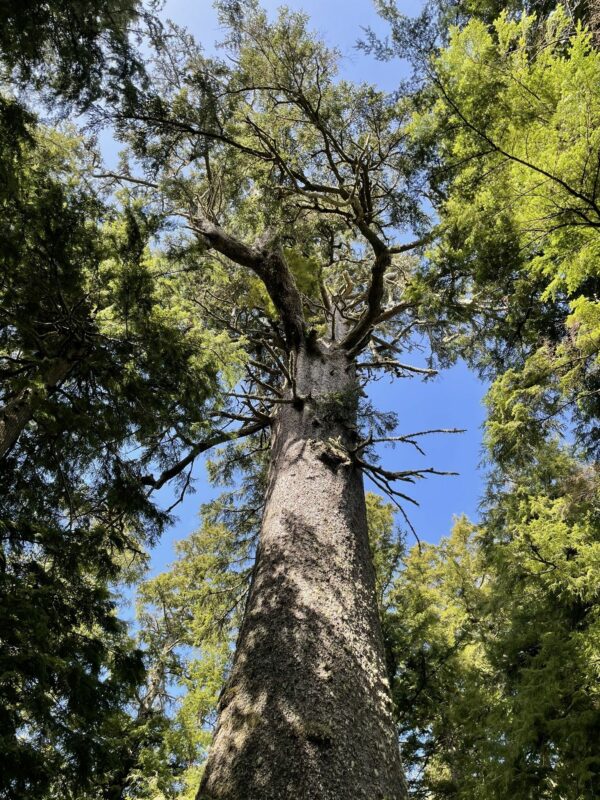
[(452, 399)]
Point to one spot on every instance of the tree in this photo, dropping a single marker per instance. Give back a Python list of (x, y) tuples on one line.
[(422, 37), (495, 636), (93, 365), (508, 117), (438, 623), (540, 173), (96, 371), (266, 262), (290, 187), (77, 50), (188, 618), (497, 644)]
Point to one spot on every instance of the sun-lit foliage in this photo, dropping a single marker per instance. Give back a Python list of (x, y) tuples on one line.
[(155, 311)]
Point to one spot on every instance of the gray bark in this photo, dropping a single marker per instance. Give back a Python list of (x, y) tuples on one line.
[(307, 713)]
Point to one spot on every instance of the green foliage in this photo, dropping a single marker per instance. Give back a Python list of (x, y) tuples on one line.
[(125, 336), (94, 363), (438, 684), (457, 12), (73, 47), (515, 123), (386, 543), (495, 635), (68, 665), (188, 618), (419, 38)]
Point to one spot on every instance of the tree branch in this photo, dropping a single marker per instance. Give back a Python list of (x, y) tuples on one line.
[(486, 138), (269, 265), (392, 364), (198, 449), (356, 339)]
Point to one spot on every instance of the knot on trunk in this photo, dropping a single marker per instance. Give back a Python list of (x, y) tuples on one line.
[(319, 733), (333, 453)]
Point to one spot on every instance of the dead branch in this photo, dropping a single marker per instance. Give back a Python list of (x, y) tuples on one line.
[(201, 447)]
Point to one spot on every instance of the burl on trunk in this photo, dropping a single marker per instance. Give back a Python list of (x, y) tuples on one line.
[(307, 712)]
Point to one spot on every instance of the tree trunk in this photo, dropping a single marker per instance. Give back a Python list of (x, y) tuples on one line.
[(307, 711), (18, 412)]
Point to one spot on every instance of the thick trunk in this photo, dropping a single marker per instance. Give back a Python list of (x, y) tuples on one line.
[(307, 712), (18, 412)]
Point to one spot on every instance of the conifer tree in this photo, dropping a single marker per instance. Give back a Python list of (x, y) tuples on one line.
[(495, 637), (300, 224), (71, 51), (93, 364), (188, 617), (495, 642), (509, 118), (98, 370), (265, 254)]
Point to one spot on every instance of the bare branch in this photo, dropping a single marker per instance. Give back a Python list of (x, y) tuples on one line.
[(124, 179), (390, 363), (406, 475), (357, 338), (406, 438)]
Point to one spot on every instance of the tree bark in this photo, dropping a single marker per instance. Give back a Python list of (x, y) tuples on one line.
[(18, 412), (307, 711)]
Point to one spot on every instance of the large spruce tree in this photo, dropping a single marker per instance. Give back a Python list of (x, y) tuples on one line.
[(298, 221), (266, 253)]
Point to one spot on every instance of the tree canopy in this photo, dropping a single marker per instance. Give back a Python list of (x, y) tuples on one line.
[(264, 212), (522, 110), (77, 50), (495, 633)]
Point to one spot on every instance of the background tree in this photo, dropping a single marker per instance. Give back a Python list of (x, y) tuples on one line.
[(87, 350), (540, 173), (508, 119), (76, 51), (95, 363), (512, 175), (495, 635)]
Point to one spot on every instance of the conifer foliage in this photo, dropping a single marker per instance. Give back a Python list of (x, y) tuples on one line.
[(272, 239)]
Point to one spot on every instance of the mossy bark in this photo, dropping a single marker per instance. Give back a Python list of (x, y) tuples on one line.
[(307, 711)]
